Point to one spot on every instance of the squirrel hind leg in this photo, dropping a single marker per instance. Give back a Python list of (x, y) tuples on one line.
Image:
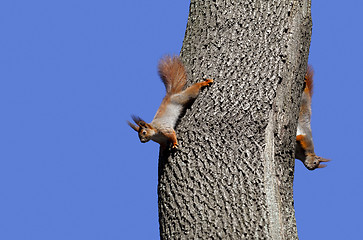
[(207, 82), (191, 92)]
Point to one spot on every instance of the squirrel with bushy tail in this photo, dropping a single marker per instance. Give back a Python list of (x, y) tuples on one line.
[(304, 150), (161, 128)]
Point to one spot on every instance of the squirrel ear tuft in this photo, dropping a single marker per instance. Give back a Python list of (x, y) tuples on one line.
[(142, 123), (137, 120), (133, 126), (323, 159)]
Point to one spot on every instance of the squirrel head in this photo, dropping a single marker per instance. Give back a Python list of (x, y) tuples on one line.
[(312, 162), (145, 130)]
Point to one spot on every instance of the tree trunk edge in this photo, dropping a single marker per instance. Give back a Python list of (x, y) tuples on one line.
[(278, 164)]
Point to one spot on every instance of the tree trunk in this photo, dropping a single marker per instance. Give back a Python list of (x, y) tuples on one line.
[(232, 176)]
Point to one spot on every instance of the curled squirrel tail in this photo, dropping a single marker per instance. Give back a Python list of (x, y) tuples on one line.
[(309, 78), (172, 73)]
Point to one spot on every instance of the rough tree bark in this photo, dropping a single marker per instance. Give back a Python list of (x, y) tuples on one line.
[(233, 174)]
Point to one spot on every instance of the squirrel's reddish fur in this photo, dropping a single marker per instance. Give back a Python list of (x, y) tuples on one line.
[(309, 79), (172, 73), (161, 128), (304, 150)]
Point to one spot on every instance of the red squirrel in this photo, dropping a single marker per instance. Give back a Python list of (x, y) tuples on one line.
[(161, 128), (304, 149)]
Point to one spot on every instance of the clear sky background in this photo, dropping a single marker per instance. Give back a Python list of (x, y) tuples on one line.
[(73, 71)]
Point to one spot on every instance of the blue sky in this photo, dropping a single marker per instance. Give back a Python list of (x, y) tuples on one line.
[(71, 74)]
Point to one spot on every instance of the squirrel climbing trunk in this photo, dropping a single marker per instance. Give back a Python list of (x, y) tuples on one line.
[(161, 129), (304, 150)]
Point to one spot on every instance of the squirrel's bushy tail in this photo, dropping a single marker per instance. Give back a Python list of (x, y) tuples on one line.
[(309, 78), (172, 73)]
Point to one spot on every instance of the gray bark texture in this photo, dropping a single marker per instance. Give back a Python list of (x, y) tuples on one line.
[(232, 176)]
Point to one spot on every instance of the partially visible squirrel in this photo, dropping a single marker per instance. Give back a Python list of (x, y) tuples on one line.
[(161, 128), (304, 150)]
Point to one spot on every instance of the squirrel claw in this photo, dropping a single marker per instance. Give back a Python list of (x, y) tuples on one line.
[(208, 81)]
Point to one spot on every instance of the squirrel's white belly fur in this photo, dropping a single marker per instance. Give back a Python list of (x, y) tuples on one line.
[(170, 117), (303, 127), (300, 131)]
